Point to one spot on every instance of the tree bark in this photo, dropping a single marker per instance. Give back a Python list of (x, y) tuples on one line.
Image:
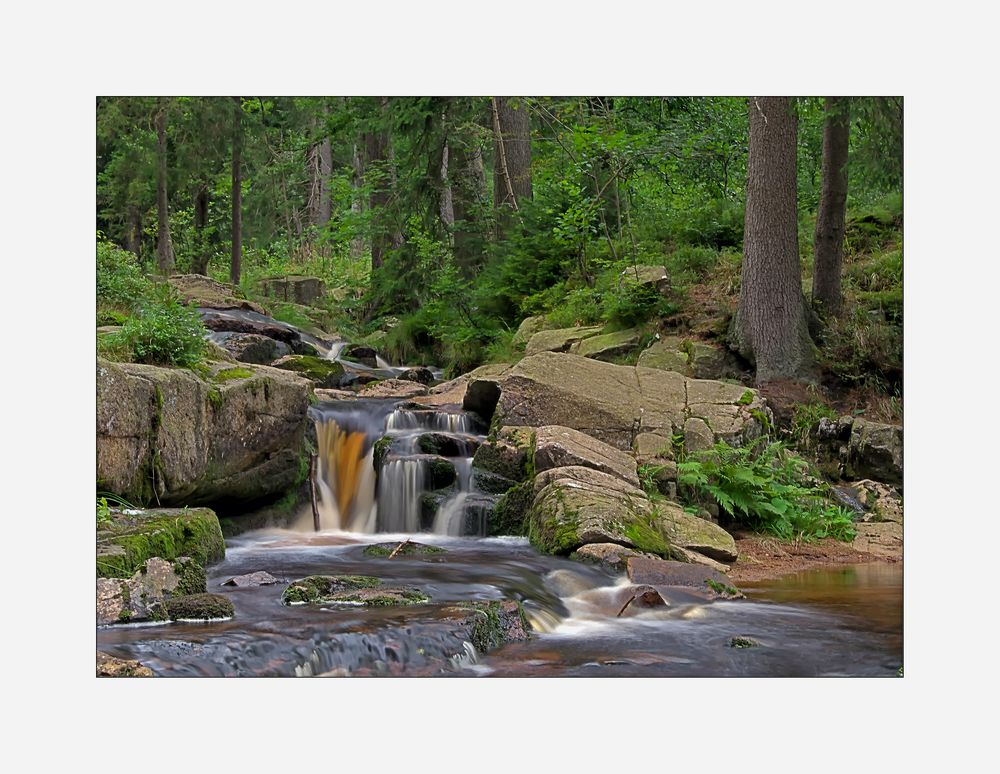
[(468, 197), (770, 324), (199, 261), (236, 260), (357, 200), (320, 204), (133, 230), (376, 162), (828, 245), (164, 246), (512, 157), (447, 206)]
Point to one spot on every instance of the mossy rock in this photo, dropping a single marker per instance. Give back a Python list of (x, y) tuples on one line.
[(408, 549), (324, 373), (491, 483), (510, 454), (508, 517), (495, 623), (200, 607), (124, 544), (382, 446), (441, 474), (350, 589)]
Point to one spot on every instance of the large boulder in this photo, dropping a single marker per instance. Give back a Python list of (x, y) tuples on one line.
[(131, 538), (392, 388), (655, 277), (693, 533), (667, 354), (616, 404), (557, 447), (322, 372), (140, 597), (876, 451), (208, 293), (298, 290), (559, 339), (168, 435), (609, 345), (580, 506), (510, 453), (254, 348), (529, 327)]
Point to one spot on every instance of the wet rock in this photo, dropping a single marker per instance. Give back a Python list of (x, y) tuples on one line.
[(495, 623), (420, 374), (168, 435), (322, 372), (611, 555), (743, 642), (298, 290), (360, 353), (882, 502), (609, 345), (441, 474), (490, 483), (110, 666), (407, 548), (557, 447), (325, 395), (130, 539), (350, 589), (251, 580), (272, 329), (137, 598), (392, 388), (695, 534), (693, 557), (210, 294), (510, 454), (529, 327), (510, 513), (446, 445), (636, 599), (198, 607), (661, 572), (876, 451)]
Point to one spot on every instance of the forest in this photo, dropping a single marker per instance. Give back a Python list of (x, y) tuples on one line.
[(582, 364)]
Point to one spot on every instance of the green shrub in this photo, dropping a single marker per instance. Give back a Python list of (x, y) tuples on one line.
[(164, 331), (767, 488), (690, 263), (121, 284), (807, 416)]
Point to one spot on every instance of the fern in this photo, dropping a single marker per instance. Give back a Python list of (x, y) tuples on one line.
[(767, 488)]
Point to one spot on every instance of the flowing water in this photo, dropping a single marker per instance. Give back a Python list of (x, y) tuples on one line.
[(844, 622)]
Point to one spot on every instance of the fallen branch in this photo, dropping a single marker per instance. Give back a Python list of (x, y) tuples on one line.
[(398, 548), (312, 491), (625, 606)]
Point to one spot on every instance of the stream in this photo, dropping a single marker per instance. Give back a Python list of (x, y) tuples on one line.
[(821, 623)]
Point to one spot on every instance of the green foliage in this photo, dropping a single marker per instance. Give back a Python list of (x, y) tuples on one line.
[(103, 512), (807, 416), (121, 284), (767, 488), (164, 331)]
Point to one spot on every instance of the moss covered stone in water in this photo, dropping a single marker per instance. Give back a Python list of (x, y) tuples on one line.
[(508, 517), (743, 642), (349, 589), (496, 623), (200, 607), (408, 549), (129, 540), (381, 450)]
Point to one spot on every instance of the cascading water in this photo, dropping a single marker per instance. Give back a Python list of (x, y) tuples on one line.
[(424, 478)]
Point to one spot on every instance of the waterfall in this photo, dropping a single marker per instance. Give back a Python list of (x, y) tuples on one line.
[(409, 493)]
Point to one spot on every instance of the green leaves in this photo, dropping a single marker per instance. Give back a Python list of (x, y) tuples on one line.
[(767, 488), (164, 331)]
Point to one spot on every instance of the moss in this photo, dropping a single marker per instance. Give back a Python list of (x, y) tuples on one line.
[(382, 446), (745, 399), (215, 398), (553, 529), (316, 588), (722, 589), (191, 577), (645, 537), (763, 419), (229, 374), (326, 373), (489, 627), (409, 549), (198, 606), (442, 473), (510, 512), (125, 616), (744, 642), (168, 534)]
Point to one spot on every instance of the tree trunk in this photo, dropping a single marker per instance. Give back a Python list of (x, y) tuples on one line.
[(512, 157), (133, 230), (236, 261), (828, 249), (320, 205), (199, 261), (376, 163), (164, 247), (770, 323), (468, 196), (447, 200), (357, 200)]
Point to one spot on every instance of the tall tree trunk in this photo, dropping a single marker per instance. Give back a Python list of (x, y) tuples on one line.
[(512, 156), (377, 172), (447, 205), (357, 200), (236, 260), (199, 261), (469, 199), (828, 246), (320, 204), (770, 323), (133, 230), (164, 247)]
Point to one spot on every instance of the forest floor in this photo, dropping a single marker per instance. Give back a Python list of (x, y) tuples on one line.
[(764, 558)]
